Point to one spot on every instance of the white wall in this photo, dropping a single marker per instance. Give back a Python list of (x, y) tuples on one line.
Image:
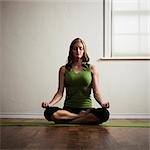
[(125, 83), (36, 39)]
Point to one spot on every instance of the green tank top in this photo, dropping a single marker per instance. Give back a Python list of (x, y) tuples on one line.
[(78, 88)]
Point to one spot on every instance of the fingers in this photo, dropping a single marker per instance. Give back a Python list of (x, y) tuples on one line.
[(44, 104), (106, 105)]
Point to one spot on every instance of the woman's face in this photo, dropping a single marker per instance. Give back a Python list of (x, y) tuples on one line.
[(78, 50)]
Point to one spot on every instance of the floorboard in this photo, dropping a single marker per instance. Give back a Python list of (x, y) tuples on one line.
[(74, 138)]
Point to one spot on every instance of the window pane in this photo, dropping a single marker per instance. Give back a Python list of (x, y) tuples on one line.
[(145, 47), (144, 25), (125, 5), (125, 44), (144, 4), (125, 23), (130, 28)]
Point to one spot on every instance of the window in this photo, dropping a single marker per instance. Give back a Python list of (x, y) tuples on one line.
[(126, 29)]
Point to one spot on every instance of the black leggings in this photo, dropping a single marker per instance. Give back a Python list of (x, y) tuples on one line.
[(101, 113)]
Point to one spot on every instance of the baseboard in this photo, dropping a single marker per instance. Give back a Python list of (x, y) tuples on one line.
[(130, 116), (40, 116), (22, 115)]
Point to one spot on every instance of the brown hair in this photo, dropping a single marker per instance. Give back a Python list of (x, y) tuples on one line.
[(85, 57)]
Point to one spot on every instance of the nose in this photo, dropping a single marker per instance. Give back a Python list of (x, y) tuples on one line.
[(78, 49)]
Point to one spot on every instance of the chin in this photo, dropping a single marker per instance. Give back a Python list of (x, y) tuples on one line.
[(79, 57)]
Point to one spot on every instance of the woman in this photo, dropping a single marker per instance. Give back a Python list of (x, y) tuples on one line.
[(78, 77)]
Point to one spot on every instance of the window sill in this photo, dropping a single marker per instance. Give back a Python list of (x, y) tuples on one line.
[(123, 58)]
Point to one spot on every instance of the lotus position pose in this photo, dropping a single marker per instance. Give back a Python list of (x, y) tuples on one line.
[(79, 78)]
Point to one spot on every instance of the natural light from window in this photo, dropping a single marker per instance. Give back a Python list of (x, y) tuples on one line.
[(127, 28)]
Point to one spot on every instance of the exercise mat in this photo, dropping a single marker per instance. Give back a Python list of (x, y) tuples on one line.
[(106, 124)]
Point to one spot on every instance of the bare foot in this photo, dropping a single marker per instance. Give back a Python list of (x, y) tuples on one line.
[(85, 112), (87, 118)]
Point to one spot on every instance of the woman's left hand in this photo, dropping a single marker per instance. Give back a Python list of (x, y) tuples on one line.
[(105, 104)]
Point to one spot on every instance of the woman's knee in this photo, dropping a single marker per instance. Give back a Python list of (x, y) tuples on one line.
[(102, 113), (49, 111), (46, 114), (106, 115)]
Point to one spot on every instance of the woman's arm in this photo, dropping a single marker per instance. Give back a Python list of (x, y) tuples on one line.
[(59, 94), (96, 91)]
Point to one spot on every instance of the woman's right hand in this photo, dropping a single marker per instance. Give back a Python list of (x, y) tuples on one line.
[(45, 104)]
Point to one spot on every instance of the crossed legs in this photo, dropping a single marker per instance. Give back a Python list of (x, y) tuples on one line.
[(90, 116)]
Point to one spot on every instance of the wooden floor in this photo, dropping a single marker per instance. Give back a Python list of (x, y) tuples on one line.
[(74, 138)]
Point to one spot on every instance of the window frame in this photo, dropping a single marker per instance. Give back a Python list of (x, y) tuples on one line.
[(107, 36)]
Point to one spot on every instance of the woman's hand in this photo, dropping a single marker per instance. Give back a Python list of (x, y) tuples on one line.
[(105, 104), (45, 104)]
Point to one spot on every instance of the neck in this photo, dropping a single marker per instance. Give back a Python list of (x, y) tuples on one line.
[(78, 62)]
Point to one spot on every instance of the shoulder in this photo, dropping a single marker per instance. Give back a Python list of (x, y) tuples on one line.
[(62, 69), (93, 68)]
